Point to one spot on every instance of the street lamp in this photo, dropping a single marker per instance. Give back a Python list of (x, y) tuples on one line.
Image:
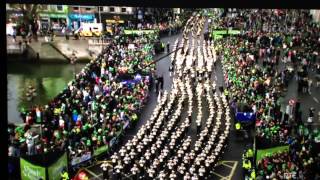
[(99, 14)]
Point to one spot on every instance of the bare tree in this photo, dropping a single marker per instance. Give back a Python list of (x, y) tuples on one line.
[(30, 15)]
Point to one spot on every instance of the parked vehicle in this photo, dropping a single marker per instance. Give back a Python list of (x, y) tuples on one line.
[(90, 29), (9, 28)]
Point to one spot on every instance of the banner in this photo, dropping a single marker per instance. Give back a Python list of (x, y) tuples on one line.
[(218, 33), (56, 168), (139, 31), (78, 160), (221, 32), (245, 116), (217, 36), (100, 150), (233, 32), (30, 171), (261, 153)]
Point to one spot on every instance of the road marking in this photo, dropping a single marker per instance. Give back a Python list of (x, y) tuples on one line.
[(227, 165), (233, 170), (94, 164), (315, 99), (219, 175), (92, 173)]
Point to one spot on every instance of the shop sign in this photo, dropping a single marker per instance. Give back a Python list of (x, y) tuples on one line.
[(64, 16), (111, 21), (82, 16)]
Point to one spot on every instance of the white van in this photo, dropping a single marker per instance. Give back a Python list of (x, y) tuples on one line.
[(90, 29), (9, 28)]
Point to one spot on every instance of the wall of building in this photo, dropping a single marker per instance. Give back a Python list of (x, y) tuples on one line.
[(116, 10), (82, 9), (315, 15), (53, 14)]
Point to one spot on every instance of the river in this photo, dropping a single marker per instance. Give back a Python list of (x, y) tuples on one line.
[(48, 80)]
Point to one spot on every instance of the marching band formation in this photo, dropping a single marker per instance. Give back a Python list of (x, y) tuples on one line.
[(163, 147)]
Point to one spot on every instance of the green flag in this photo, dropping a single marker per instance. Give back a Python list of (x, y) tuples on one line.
[(261, 153), (30, 171), (56, 168)]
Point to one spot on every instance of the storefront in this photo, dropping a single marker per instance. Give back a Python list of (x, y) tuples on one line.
[(76, 19), (54, 20), (13, 16)]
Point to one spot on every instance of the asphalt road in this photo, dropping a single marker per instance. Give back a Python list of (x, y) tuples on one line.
[(231, 165)]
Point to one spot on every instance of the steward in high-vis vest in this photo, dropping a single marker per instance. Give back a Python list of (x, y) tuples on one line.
[(238, 126), (226, 93), (65, 175), (249, 154), (246, 165), (253, 175)]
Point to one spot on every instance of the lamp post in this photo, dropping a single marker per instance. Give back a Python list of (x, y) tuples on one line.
[(99, 14), (79, 16)]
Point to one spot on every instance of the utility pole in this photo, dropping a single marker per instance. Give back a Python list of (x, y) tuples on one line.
[(99, 13), (80, 16)]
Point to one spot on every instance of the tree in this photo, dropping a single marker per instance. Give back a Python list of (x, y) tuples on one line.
[(30, 13)]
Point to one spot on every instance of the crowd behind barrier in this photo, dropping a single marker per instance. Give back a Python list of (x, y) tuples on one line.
[(275, 37), (95, 108)]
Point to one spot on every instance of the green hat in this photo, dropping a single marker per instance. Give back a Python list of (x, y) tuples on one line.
[(88, 142)]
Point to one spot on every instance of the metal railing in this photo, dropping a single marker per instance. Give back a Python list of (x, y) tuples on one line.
[(16, 49), (97, 42)]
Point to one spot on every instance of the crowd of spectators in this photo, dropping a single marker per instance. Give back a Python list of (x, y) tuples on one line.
[(95, 107), (256, 82), (301, 162), (266, 83)]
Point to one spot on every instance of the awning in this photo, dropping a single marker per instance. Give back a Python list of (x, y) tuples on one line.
[(114, 21), (52, 15)]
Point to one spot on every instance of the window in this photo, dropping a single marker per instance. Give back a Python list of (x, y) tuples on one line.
[(76, 8), (111, 9), (59, 8), (101, 8), (123, 10), (88, 9)]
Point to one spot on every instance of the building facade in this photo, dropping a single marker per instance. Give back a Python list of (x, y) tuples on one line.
[(80, 14), (316, 15), (111, 15), (12, 14), (55, 16)]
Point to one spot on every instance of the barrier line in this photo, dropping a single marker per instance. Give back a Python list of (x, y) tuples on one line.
[(234, 167), (227, 165), (219, 175), (92, 173)]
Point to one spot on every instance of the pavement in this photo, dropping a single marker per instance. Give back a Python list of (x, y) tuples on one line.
[(58, 50)]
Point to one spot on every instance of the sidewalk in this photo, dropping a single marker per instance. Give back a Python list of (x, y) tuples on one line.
[(61, 45)]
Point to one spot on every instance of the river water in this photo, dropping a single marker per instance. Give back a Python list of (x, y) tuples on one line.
[(48, 80)]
